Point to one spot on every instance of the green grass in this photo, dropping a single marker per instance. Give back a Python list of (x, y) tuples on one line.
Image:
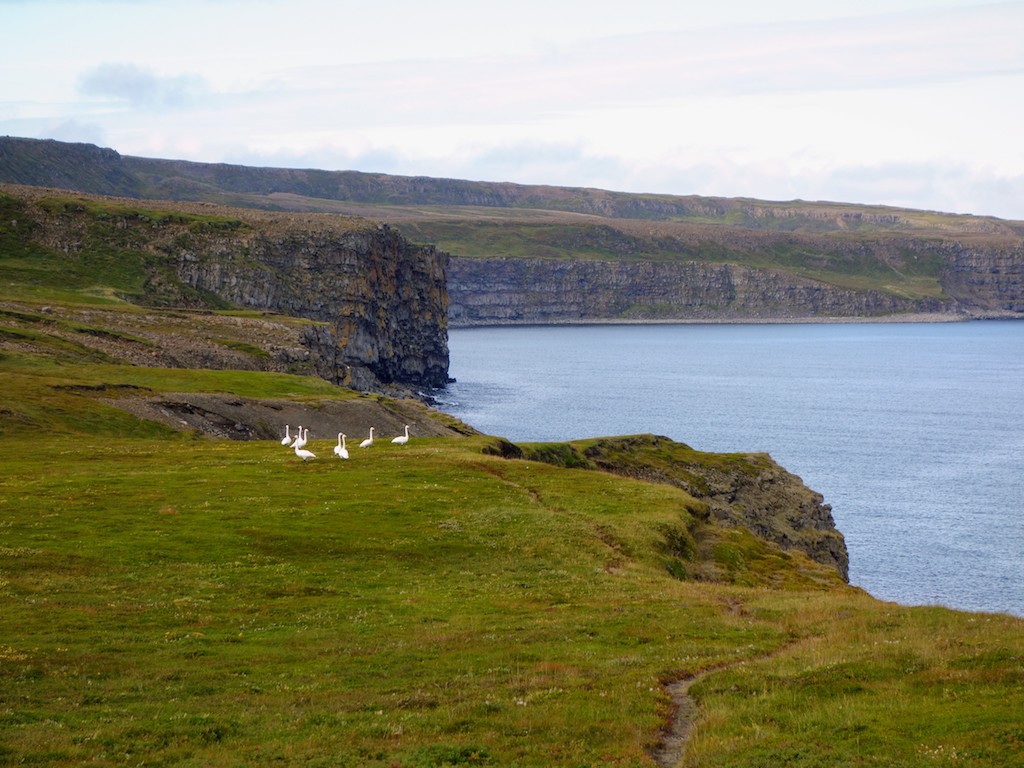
[(890, 686), (169, 600), (112, 261), (217, 603)]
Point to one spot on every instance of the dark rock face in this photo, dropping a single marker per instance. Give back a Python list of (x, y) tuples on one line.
[(491, 291), (746, 490), (991, 279), (751, 492), (775, 505), (382, 301)]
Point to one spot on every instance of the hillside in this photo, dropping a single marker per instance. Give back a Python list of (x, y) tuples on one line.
[(179, 588), (525, 253), (174, 597)]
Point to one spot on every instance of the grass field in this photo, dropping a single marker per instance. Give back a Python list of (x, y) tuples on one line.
[(175, 600), (169, 599)]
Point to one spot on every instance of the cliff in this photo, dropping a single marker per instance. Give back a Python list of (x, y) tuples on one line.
[(750, 491), (382, 301), (533, 253), (496, 291), (379, 303), (673, 272)]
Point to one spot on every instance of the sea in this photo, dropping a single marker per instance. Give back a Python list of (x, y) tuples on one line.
[(913, 432)]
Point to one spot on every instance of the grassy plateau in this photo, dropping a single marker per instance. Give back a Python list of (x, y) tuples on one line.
[(171, 599)]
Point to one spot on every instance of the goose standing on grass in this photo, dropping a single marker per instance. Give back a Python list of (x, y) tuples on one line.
[(298, 436), (340, 450), (368, 441), (303, 454), (402, 439), (287, 438), (302, 439)]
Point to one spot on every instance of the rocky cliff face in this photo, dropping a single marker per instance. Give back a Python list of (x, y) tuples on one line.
[(380, 303), (489, 291), (561, 254), (989, 279), (747, 490)]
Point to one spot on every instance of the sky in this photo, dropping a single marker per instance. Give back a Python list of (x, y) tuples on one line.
[(914, 103)]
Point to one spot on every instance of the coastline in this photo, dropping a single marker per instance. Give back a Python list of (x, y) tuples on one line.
[(916, 317)]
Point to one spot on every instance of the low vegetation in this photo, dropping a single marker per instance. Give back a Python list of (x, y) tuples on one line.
[(173, 599)]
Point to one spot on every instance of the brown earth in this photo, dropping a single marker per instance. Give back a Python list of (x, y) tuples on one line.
[(240, 418)]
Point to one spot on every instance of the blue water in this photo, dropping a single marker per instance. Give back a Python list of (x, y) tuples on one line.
[(914, 433)]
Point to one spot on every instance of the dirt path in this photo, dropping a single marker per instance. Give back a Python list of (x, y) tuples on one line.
[(672, 746)]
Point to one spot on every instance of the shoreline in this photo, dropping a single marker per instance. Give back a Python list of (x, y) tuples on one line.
[(918, 317)]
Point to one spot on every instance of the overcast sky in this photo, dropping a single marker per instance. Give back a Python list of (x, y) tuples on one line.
[(915, 103)]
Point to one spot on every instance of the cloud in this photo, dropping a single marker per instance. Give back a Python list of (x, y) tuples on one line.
[(140, 86)]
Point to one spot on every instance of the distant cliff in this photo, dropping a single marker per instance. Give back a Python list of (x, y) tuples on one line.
[(500, 291), (533, 253), (380, 302)]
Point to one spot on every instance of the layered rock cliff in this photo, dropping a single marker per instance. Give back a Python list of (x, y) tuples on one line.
[(382, 301), (379, 303), (531, 253), (986, 278), (495, 291)]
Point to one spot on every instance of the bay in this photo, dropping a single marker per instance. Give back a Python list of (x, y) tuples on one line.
[(913, 432)]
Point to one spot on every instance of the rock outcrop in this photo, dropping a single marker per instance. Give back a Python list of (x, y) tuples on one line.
[(381, 300), (740, 490)]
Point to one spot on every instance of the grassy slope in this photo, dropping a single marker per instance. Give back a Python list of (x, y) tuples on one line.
[(172, 600), (169, 600)]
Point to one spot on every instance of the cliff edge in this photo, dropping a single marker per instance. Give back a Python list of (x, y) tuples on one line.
[(378, 305), (749, 491)]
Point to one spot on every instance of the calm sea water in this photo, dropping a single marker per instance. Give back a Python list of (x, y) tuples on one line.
[(914, 433)]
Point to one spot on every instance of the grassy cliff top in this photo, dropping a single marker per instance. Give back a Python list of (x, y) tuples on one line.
[(171, 597), (174, 598), (184, 600)]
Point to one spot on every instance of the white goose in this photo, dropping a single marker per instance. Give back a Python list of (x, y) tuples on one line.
[(302, 439), (368, 441), (303, 454), (287, 438), (402, 439), (340, 450)]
